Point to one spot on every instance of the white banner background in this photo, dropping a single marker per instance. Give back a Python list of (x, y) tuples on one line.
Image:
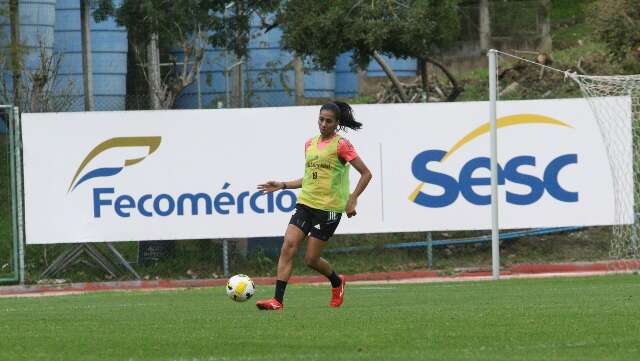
[(201, 150)]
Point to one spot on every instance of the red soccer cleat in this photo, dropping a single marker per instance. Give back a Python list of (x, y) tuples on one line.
[(270, 305), (337, 293)]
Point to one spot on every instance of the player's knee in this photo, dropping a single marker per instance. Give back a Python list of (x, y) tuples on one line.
[(311, 261), (288, 249)]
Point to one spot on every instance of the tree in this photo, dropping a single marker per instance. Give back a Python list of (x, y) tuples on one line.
[(190, 24), (230, 21), (152, 24), (617, 23), (322, 30), (35, 89), (41, 88), (232, 30), (544, 19)]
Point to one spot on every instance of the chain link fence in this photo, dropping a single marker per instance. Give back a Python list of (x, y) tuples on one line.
[(142, 101), (5, 200)]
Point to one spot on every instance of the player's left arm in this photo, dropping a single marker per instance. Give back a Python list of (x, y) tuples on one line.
[(365, 177)]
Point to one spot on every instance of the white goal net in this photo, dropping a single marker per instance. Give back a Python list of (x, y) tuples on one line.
[(613, 100), (612, 118)]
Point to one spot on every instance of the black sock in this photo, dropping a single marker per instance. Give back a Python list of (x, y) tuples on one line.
[(334, 279), (280, 287)]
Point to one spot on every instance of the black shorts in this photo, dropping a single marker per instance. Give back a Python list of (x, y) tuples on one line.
[(318, 223)]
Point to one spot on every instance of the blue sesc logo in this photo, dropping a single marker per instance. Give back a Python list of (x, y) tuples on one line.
[(465, 181)]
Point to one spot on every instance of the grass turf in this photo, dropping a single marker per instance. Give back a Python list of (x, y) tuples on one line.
[(595, 318)]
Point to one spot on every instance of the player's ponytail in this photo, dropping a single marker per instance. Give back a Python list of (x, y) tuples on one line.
[(344, 114)]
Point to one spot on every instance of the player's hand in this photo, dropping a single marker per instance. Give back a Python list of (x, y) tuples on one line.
[(350, 210), (270, 186)]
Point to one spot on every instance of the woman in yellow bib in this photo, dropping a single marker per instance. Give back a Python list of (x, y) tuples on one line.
[(324, 197)]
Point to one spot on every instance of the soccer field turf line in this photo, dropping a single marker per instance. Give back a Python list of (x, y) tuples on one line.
[(594, 318)]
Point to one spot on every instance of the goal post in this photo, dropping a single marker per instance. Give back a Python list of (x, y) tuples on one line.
[(613, 101), (495, 226)]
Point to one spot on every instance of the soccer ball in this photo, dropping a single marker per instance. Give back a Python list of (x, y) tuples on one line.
[(240, 288)]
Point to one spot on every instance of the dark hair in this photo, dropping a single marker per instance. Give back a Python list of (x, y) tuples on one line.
[(344, 115)]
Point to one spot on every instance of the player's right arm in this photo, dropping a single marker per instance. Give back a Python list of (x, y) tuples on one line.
[(272, 186)]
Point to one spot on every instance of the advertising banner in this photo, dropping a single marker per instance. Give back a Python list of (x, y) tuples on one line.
[(189, 174)]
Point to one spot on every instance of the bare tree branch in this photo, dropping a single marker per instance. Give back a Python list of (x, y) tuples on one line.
[(456, 88), (391, 74)]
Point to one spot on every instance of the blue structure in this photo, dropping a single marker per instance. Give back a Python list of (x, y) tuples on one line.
[(269, 70), (346, 77), (216, 82), (270, 83), (37, 19), (55, 26), (108, 53), (318, 83), (402, 67), (212, 81)]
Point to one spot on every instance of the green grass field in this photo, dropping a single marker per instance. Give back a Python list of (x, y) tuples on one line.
[(595, 318)]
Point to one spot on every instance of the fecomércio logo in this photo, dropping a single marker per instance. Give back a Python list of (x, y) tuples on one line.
[(107, 200), (464, 181), (152, 143)]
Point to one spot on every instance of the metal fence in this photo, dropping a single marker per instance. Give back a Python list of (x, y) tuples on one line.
[(190, 101), (5, 202), (10, 202)]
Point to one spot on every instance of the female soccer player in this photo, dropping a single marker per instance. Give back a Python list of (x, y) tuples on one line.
[(323, 199)]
